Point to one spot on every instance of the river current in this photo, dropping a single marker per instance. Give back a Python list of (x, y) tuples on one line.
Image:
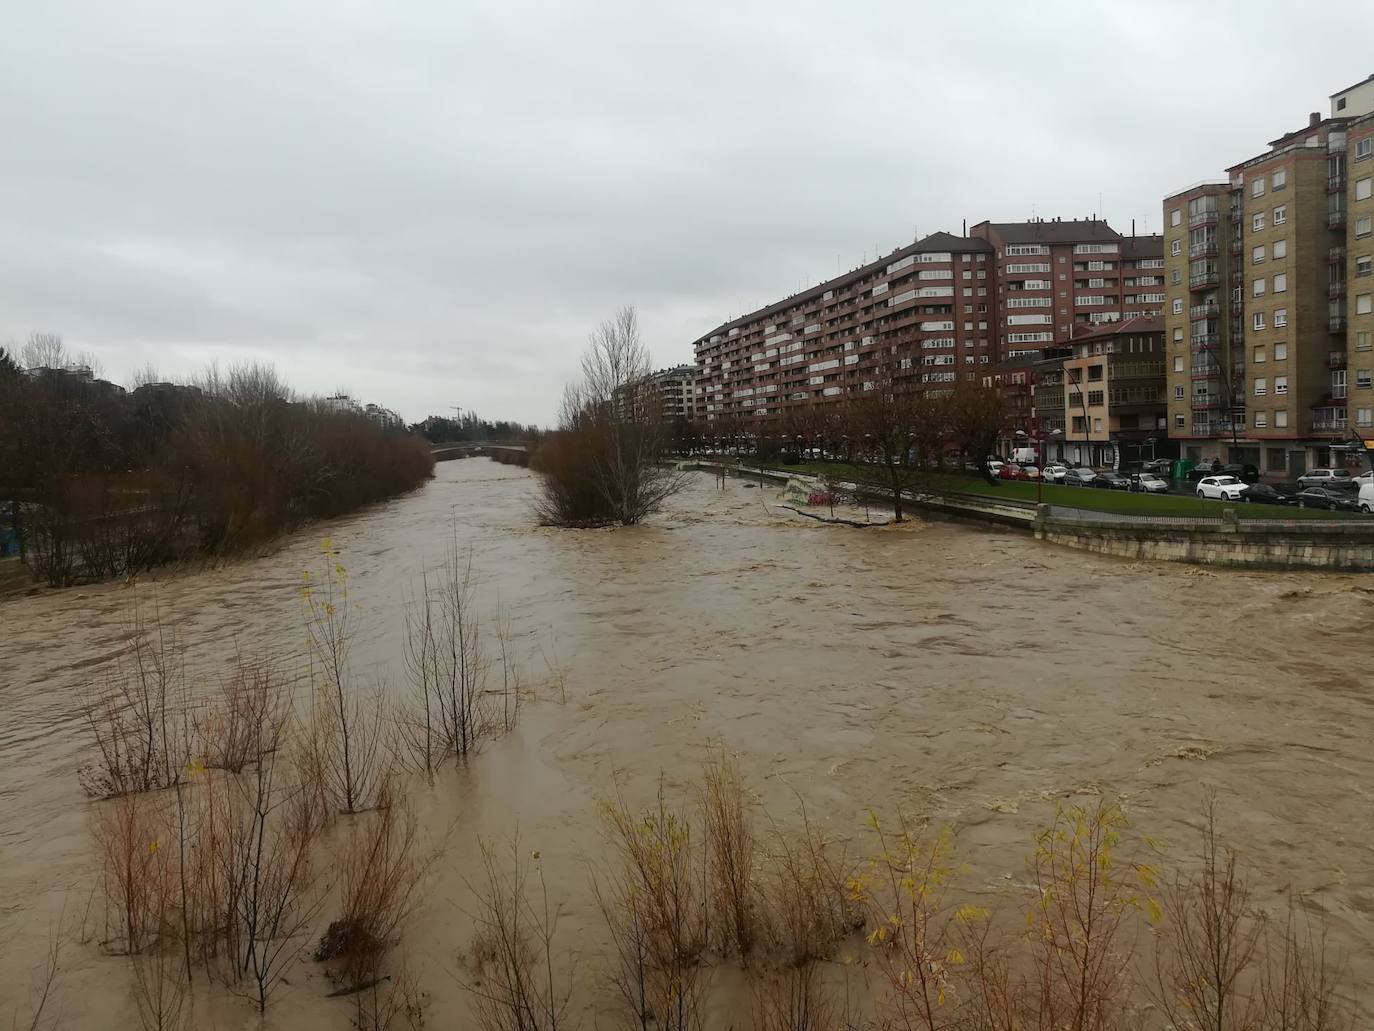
[(974, 675)]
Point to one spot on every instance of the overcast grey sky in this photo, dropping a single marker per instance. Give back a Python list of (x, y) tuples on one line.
[(430, 202)]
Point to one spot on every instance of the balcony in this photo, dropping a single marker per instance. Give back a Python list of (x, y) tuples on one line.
[(1206, 370), (1328, 420), (1335, 219), (1336, 360), (1336, 323), (1335, 256), (1208, 249), (1206, 403), (1335, 183), (1204, 339), (1237, 306), (1202, 280), (1203, 218), (1336, 289), (1207, 310), (1236, 245)]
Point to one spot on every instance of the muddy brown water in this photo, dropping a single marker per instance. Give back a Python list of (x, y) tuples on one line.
[(974, 675)]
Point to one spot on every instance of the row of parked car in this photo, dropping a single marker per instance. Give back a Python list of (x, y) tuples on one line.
[(1329, 489)]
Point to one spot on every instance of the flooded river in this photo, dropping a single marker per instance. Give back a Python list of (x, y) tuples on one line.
[(974, 675)]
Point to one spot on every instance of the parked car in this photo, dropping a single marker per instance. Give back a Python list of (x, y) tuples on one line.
[(1149, 483), (1081, 477), (1030, 472), (1244, 473), (1367, 498), (1222, 488), (1265, 494), (1111, 480), (1363, 479), (1056, 473), (1340, 478), (1197, 472), (1159, 467), (995, 467), (1334, 499)]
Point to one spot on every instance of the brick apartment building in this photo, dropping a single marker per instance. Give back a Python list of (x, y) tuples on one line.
[(953, 305), (1271, 299), (1114, 408)]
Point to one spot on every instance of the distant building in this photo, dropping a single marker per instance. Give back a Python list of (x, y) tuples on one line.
[(947, 306), (670, 392), (1115, 409)]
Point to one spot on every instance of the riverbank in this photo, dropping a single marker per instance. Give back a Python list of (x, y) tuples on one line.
[(954, 672)]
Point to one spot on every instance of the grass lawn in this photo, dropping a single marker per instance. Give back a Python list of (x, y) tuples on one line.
[(1089, 498)]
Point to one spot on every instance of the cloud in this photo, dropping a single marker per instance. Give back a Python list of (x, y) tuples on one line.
[(432, 203)]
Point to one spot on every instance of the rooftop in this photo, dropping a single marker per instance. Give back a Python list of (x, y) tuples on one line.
[(1082, 230), (1139, 324)]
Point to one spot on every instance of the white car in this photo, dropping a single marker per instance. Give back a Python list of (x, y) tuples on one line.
[(1149, 483), (1055, 473), (1364, 480), (995, 466), (1222, 488), (1367, 498)]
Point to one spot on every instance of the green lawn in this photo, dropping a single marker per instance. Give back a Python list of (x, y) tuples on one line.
[(1088, 498)]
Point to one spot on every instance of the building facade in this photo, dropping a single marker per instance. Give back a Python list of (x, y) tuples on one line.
[(1269, 299), (1114, 394), (952, 306)]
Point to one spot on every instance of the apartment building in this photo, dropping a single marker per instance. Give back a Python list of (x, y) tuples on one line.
[(676, 390), (1055, 277), (951, 305), (1269, 302), (1114, 394)]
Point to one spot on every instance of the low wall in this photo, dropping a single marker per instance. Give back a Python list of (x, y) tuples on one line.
[(1256, 544), (507, 455)]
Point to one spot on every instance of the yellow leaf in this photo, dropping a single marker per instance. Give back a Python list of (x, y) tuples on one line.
[(955, 956)]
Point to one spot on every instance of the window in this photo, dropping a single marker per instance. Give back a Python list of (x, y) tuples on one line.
[(1178, 422), (1362, 379), (1280, 318), (1261, 386), (1261, 420), (1281, 283), (1176, 216), (1257, 255), (1364, 304), (1178, 305), (1097, 425), (1280, 384), (1257, 222), (1364, 188), (1177, 247), (1362, 340), (1362, 416), (1279, 179), (1362, 265), (1280, 420), (1257, 187), (1178, 391), (1177, 276), (1280, 249), (1259, 287), (1364, 148), (1280, 352), (1281, 214), (1178, 364), (1338, 384), (1364, 225), (1178, 334), (1259, 356), (1258, 321)]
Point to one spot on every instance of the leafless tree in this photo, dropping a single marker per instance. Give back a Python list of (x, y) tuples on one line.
[(893, 417), (615, 435), (977, 414)]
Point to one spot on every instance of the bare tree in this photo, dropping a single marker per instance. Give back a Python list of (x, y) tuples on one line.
[(609, 466), (894, 416), (977, 414)]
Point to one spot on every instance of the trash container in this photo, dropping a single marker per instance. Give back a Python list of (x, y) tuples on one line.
[(1181, 467)]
